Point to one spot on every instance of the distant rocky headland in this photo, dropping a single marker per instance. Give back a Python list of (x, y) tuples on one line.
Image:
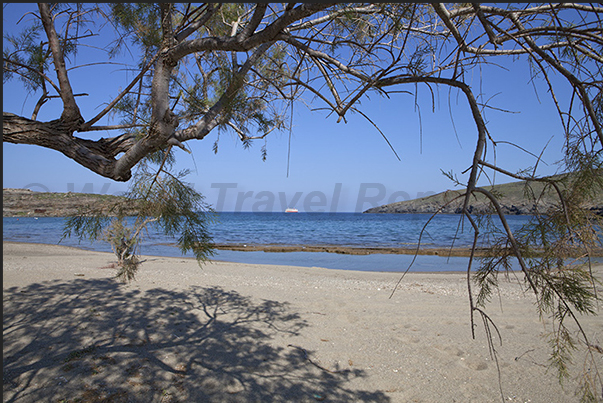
[(26, 203), (512, 198)]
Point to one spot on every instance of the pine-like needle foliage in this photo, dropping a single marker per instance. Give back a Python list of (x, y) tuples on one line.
[(556, 247), (157, 199)]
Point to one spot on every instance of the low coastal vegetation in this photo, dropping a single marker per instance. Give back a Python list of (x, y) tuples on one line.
[(514, 198), (27, 203)]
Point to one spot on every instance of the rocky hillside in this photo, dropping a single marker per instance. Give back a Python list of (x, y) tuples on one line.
[(512, 200), (26, 203)]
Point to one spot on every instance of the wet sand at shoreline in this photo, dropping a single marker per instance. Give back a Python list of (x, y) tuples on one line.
[(359, 250), (349, 250)]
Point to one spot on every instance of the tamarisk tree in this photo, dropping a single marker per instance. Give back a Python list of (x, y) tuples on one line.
[(237, 68)]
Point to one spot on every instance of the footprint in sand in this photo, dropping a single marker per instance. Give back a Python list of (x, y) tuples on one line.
[(411, 327), (352, 318), (451, 350), (475, 363)]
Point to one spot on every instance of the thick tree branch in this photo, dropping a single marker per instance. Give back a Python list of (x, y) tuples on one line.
[(235, 43), (209, 12), (211, 119), (467, 11), (256, 19), (486, 24), (444, 15), (163, 121), (370, 9), (71, 112), (98, 156)]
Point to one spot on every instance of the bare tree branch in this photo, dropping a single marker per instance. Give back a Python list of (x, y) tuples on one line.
[(71, 112), (86, 126)]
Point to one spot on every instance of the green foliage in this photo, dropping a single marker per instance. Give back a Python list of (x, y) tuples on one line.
[(162, 201), (229, 12), (179, 210), (140, 21), (124, 245), (85, 225), (418, 64), (27, 54), (556, 247), (264, 152), (27, 50), (131, 110), (196, 99)]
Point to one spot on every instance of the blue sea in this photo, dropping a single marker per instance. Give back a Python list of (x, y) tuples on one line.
[(342, 229)]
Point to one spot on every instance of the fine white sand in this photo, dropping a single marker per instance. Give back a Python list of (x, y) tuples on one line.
[(231, 332)]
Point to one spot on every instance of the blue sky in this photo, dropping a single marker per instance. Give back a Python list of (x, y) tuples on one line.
[(349, 160)]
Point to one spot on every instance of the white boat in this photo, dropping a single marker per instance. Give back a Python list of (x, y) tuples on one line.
[(291, 210)]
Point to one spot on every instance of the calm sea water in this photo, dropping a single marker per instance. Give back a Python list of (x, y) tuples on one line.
[(345, 229)]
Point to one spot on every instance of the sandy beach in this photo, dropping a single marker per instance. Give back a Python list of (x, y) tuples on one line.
[(232, 332)]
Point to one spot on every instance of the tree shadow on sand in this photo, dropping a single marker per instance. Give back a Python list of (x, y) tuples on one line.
[(97, 340)]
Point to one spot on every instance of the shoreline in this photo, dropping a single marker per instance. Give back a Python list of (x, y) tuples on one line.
[(349, 250), (212, 260), (360, 250), (344, 250), (257, 332)]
